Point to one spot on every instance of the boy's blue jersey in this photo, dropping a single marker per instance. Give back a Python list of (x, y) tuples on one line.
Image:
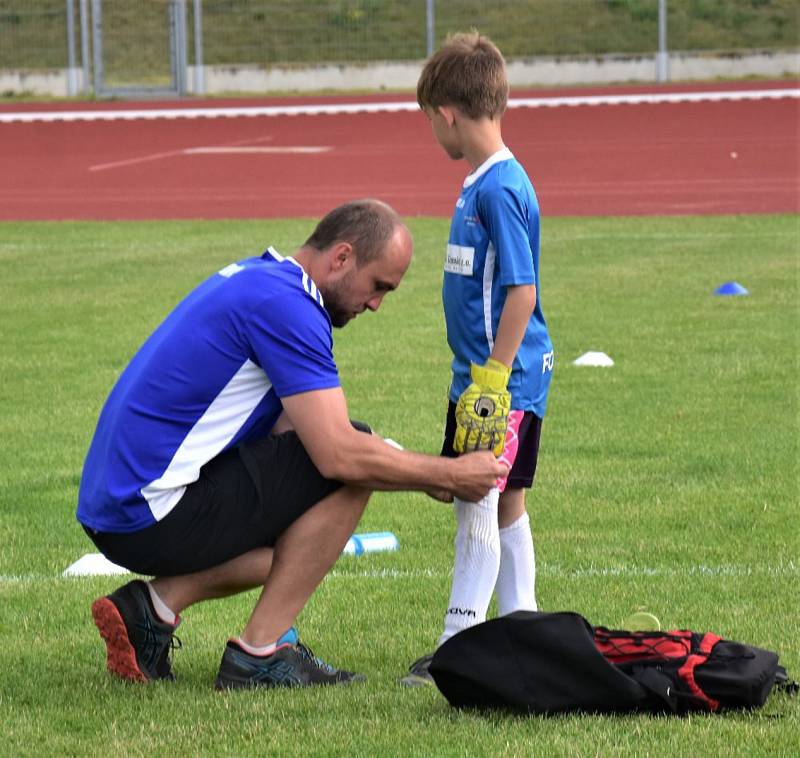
[(210, 376), (494, 244)]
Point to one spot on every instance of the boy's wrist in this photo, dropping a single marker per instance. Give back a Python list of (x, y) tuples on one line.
[(493, 374)]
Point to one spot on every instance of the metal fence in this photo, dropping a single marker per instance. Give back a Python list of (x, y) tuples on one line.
[(139, 41)]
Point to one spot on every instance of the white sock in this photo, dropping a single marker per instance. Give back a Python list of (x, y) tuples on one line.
[(516, 580), (476, 563), (253, 650), (162, 609)]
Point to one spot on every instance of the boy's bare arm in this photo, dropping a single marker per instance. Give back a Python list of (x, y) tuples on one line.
[(517, 311)]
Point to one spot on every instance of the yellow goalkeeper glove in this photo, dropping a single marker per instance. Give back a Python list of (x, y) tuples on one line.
[(483, 408)]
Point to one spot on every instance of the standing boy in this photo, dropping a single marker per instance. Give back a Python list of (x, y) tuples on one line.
[(502, 354)]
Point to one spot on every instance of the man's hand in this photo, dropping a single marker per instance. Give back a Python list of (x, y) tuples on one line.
[(483, 408), (477, 474)]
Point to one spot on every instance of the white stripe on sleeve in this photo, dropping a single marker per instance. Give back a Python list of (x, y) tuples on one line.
[(488, 275)]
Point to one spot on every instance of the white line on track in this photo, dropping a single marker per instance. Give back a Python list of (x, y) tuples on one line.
[(132, 161), (299, 149), (221, 150), (390, 107)]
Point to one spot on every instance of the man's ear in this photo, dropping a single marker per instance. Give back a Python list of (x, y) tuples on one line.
[(341, 255)]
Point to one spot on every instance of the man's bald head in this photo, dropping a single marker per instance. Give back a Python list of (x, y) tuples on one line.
[(368, 225)]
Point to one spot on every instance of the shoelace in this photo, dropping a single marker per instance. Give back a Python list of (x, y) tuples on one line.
[(174, 644), (306, 653)]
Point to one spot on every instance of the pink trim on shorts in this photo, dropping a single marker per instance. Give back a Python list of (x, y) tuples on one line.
[(511, 446)]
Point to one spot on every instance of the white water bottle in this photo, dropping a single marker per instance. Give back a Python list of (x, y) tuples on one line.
[(371, 542)]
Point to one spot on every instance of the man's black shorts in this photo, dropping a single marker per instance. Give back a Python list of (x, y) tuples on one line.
[(244, 499), (523, 468)]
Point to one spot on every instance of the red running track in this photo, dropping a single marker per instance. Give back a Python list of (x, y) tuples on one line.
[(644, 159)]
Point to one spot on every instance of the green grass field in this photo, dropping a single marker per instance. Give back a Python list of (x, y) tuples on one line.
[(668, 481)]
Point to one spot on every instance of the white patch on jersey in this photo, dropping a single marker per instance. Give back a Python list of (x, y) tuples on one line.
[(488, 275), (229, 271), (208, 437), (459, 260)]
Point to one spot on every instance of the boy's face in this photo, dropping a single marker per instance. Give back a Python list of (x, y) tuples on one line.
[(442, 120)]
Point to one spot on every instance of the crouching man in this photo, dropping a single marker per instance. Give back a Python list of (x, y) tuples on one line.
[(224, 458)]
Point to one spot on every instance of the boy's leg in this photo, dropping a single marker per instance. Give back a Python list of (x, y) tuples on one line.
[(478, 546), (477, 553), (511, 506), (477, 560), (516, 579)]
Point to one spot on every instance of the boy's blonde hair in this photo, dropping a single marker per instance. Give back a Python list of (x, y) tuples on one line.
[(469, 72)]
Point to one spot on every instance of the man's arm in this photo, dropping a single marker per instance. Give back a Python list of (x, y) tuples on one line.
[(342, 453), (517, 311)]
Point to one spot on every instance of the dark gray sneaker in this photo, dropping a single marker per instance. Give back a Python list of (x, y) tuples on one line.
[(418, 673), (291, 665), (138, 642)]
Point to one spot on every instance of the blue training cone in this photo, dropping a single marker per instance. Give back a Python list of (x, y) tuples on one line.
[(731, 288)]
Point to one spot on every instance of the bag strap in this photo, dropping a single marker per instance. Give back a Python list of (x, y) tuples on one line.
[(686, 671), (783, 682)]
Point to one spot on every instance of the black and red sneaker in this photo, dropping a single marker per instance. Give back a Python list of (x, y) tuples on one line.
[(138, 642), (291, 665)]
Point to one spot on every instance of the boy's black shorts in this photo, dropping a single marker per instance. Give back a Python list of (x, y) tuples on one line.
[(244, 499), (523, 467)]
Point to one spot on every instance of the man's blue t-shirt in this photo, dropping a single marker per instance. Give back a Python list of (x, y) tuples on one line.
[(210, 376), (494, 244)]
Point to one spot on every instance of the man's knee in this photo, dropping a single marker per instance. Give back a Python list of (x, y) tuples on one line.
[(355, 497), (284, 425)]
